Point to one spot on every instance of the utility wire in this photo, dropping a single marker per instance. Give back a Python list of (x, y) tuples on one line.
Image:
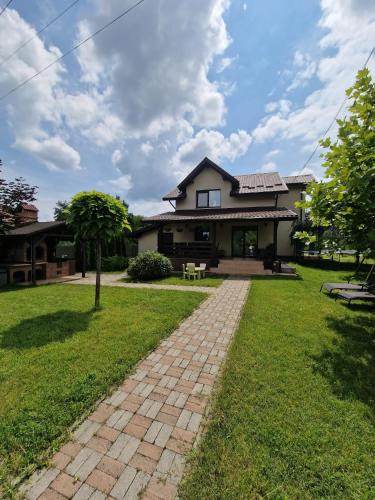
[(107, 25), (336, 115), (5, 8), (38, 33)]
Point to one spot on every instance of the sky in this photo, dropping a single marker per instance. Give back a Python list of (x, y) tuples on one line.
[(251, 84)]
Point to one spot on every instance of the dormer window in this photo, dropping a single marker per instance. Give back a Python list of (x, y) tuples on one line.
[(210, 198)]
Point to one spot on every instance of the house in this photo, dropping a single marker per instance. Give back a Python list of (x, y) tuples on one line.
[(217, 217), (35, 250)]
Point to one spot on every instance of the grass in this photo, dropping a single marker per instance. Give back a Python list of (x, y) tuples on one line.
[(211, 280), (57, 357), (294, 416)]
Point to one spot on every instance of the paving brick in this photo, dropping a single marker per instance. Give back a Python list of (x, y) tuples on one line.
[(129, 450), (143, 463), (171, 410), (184, 419), (166, 419), (101, 481), (71, 449), (60, 460), (161, 489), (111, 466), (108, 433), (101, 414), (51, 495), (40, 482), (84, 493), (149, 450), (183, 435), (135, 430), (153, 431), (66, 485), (129, 406), (99, 444), (178, 446), (163, 435), (124, 481), (84, 463), (139, 483), (85, 431), (141, 421)]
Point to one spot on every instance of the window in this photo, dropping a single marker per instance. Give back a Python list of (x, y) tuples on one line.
[(209, 199), (202, 233)]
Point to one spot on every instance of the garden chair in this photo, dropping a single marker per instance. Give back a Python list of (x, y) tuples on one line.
[(360, 287), (183, 272), (357, 295), (190, 271), (202, 265)]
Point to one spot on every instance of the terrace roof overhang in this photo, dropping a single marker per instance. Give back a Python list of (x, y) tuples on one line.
[(224, 215)]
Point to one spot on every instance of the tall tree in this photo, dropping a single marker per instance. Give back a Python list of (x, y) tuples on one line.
[(12, 195), (59, 212), (98, 217), (345, 201)]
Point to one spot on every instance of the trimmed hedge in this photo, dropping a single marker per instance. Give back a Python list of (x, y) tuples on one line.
[(148, 266)]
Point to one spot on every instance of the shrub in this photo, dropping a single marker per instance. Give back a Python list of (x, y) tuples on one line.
[(149, 265), (115, 263)]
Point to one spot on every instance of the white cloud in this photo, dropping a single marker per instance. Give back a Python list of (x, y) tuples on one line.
[(214, 145), (122, 184), (269, 167), (244, 6), (272, 153), (282, 106), (224, 63), (350, 31), (33, 112), (306, 70)]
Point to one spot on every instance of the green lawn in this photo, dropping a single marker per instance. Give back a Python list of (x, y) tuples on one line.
[(176, 279), (57, 357), (294, 417)]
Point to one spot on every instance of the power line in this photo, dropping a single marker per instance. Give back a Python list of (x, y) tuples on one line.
[(336, 115), (107, 25), (5, 8), (38, 33)]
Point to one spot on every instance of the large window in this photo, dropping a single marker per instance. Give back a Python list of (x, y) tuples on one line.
[(208, 199)]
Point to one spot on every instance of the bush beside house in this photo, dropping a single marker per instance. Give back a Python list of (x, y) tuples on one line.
[(148, 266)]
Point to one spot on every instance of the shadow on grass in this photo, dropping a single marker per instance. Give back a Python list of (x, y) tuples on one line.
[(270, 277), (45, 329), (349, 363)]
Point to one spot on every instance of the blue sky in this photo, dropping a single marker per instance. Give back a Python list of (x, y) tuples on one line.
[(250, 84)]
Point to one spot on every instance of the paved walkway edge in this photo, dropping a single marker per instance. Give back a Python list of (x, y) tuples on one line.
[(135, 443)]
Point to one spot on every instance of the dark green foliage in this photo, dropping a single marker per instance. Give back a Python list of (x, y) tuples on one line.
[(114, 263), (148, 266)]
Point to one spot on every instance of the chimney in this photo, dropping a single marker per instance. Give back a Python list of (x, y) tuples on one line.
[(27, 214)]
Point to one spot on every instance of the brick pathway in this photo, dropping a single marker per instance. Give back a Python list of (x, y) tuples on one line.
[(113, 280), (133, 445)]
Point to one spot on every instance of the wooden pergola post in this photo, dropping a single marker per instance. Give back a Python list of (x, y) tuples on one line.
[(32, 255), (275, 226)]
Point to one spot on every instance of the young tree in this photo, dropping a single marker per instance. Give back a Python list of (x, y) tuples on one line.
[(96, 216), (345, 202), (12, 195)]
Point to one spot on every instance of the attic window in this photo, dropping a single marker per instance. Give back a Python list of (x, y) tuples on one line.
[(209, 199)]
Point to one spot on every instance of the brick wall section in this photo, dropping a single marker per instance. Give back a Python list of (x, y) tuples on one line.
[(135, 441)]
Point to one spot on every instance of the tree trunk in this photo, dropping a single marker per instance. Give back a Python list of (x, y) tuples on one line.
[(84, 249), (98, 249)]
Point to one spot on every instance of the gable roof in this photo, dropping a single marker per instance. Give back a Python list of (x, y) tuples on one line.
[(206, 162), (241, 185), (299, 179)]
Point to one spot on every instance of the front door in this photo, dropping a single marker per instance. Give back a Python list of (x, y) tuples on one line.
[(244, 242)]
